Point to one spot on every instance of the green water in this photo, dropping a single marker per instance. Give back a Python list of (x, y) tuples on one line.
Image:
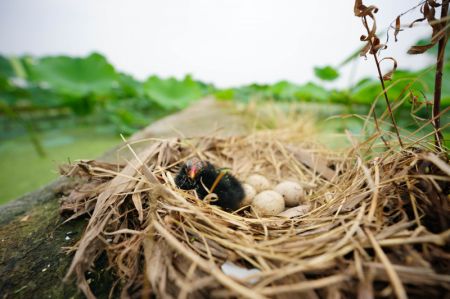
[(22, 170)]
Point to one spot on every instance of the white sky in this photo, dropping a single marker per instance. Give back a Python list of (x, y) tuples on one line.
[(226, 42)]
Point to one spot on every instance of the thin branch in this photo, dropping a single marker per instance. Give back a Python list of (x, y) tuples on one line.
[(380, 76), (438, 80)]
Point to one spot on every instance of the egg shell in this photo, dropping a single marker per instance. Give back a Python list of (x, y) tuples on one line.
[(250, 193), (292, 193), (259, 182), (268, 203)]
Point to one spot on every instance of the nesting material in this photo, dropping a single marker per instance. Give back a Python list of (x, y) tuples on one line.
[(377, 225), (296, 211)]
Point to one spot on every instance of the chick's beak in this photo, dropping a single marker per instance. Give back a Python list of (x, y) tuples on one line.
[(192, 172)]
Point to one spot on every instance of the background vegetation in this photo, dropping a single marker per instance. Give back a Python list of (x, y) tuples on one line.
[(53, 108)]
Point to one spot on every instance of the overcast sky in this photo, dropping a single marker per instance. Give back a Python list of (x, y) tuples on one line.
[(226, 42)]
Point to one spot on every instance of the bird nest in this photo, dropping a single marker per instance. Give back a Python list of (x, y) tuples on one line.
[(377, 224)]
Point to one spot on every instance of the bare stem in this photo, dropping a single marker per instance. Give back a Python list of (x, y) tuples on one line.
[(378, 128), (380, 76), (438, 79)]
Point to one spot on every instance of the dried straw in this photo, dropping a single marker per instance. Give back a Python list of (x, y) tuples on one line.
[(378, 224)]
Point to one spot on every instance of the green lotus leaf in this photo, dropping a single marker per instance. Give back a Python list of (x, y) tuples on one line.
[(76, 77), (171, 93), (326, 73)]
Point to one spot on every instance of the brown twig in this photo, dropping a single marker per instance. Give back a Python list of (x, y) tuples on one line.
[(380, 75), (438, 79)]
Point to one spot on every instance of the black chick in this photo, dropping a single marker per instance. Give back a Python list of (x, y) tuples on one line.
[(197, 174)]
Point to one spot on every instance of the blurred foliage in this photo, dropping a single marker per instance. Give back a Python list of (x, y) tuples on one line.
[(172, 93), (409, 84), (74, 77), (327, 73), (414, 88), (90, 90)]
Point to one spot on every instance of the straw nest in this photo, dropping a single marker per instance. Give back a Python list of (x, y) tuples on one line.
[(377, 225)]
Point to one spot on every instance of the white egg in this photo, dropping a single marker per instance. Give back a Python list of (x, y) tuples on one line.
[(259, 182), (292, 193), (250, 193), (268, 203)]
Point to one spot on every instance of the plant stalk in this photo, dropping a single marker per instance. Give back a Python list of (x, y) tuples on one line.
[(438, 79), (380, 76)]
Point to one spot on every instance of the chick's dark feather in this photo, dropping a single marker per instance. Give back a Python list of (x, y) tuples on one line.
[(228, 190)]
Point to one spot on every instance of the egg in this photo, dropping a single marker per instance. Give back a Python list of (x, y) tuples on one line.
[(291, 192), (259, 182), (268, 203), (250, 193)]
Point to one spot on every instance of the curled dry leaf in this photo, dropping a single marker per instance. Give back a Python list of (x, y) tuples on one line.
[(397, 28), (419, 49), (365, 50), (377, 46), (439, 30), (373, 44), (416, 21), (388, 75), (433, 3), (361, 10)]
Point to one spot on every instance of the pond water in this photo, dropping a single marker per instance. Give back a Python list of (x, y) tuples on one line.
[(22, 170)]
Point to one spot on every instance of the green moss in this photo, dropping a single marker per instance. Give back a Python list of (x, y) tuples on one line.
[(32, 262)]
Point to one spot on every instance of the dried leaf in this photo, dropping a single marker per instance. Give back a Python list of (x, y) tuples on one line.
[(438, 31), (419, 49), (361, 10), (377, 48), (376, 45), (295, 211), (429, 12), (365, 49), (433, 3), (314, 162), (388, 75), (397, 28), (416, 21), (137, 201), (356, 7)]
